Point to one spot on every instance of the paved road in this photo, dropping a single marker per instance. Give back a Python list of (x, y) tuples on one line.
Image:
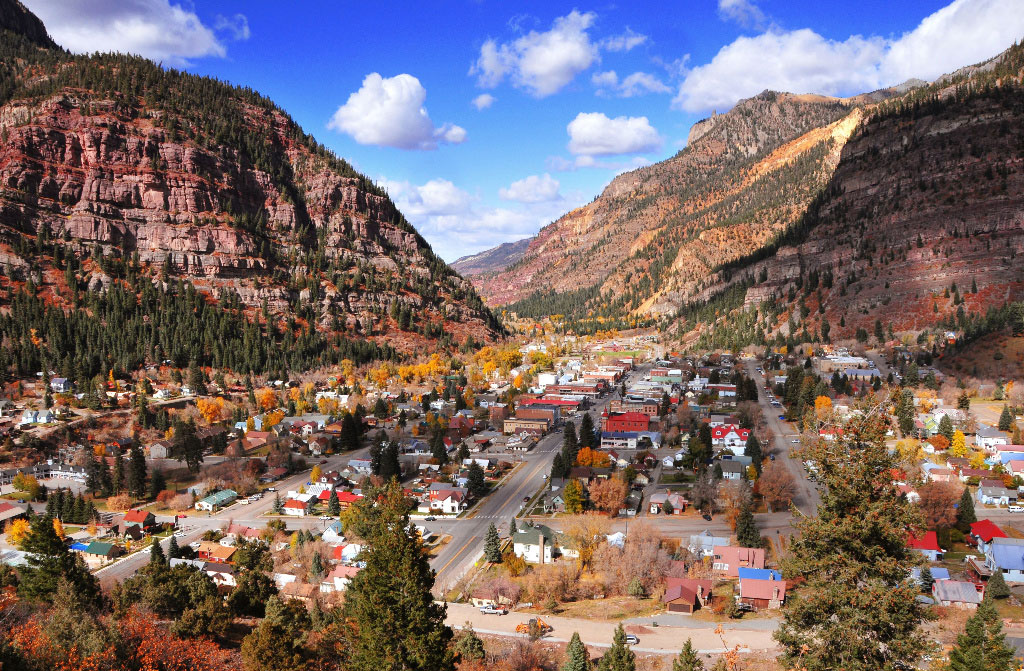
[(807, 497)]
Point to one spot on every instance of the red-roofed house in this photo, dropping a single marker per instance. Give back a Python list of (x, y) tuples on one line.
[(294, 507), (982, 532), (1015, 467), (624, 422), (138, 518), (730, 436), (763, 593), (685, 595), (927, 544), (729, 559), (338, 579), (830, 432)]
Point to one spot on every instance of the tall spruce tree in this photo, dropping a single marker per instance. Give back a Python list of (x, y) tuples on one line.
[(753, 450), (587, 437), (997, 587), (982, 646), (333, 505), (619, 657), (747, 534), (1006, 419), (136, 472), (156, 553), (858, 611), (688, 660), (392, 619), (48, 560), (946, 427), (576, 656), (492, 545), (965, 516), (173, 551)]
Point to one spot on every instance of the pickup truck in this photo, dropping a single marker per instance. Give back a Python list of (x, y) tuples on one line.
[(493, 610)]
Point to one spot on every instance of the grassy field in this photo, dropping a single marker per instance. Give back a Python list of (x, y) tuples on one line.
[(994, 356)]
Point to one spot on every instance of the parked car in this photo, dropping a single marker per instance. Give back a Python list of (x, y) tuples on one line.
[(631, 639), (429, 518), (707, 517), (493, 610), (326, 517), (1016, 509)]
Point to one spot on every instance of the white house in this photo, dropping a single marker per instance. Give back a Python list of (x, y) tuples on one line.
[(1006, 555), (450, 502), (535, 544), (996, 496), (987, 438), (338, 579), (730, 436)]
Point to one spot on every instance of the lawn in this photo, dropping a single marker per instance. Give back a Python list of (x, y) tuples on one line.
[(611, 608)]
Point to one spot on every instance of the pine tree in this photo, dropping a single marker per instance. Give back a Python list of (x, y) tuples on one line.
[(687, 659), (316, 566), (1005, 419), (747, 534), (965, 516), (157, 484), (997, 587), (389, 605), (946, 427), (278, 507), (492, 545), (333, 505), (512, 526), (137, 472), (349, 437), (475, 482), (576, 656), (619, 657), (173, 551), (48, 560), (587, 438), (753, 450), (156, 553), (926, 579), (117, 479), (982, 646), (854, 552), (67, 507), (469, 646)]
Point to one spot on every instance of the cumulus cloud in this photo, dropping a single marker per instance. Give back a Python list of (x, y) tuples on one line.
[(624, 42), (802, 61), (636, 84), (594, 134), (456, 224), (389, 112), (744, 12), (237, 25), (542, 63), (483, 101), (532, 189), (156, 29)]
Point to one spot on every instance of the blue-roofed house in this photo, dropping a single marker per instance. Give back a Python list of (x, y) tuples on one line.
[(78, 547), (758, 574), (938, 573), (1006, 555)]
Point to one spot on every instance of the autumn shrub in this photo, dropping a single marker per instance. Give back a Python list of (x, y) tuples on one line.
[(180, 502), (120, 502), (166, 496)]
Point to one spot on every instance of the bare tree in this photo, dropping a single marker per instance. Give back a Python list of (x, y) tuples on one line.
[(937, 503), (733, 494), (705, 492), (609, 496), (777, 485), (585, 533)]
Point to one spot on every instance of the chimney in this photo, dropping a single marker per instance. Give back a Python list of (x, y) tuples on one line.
[(540, 558)]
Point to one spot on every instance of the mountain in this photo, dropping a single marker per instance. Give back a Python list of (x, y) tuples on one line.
[(786, 190), (493, 260), (119, 179)]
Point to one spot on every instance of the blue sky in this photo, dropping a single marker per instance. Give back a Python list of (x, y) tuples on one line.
[(487, 120)]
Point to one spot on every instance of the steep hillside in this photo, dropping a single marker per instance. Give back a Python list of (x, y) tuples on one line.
[(743, 176), (493, 260), (117, 173)]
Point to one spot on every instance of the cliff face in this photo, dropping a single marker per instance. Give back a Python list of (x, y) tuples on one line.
[(189, 177)]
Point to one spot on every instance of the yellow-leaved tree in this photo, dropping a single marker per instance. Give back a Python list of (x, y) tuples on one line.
[(17, 531), (958, 448)]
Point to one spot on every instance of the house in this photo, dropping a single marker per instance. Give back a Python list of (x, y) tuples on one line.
[(938, 573), (299, 591), (223, 574), (217, 500), (61, 385), (140, 518), (941, 475), (686, 595), (362, 466), (448, 501), (704, 543), (761, 594), (160, 449), (333, 533), (987, 438), (757, 574), (996, 496), (294, 507), (97, 554), (1006, 555), (730, 436), (728, 559), (9, 511), (338, 579), (957, 593), (982, 532), (625, 422), (214, 552), (1015, 467), (732, 470), (927, 544), (535, 544)]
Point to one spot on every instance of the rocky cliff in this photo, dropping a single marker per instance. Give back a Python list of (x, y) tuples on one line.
[(113, 157)]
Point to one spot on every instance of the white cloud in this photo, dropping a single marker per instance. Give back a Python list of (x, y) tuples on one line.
[(156, 29), (389, 112), (744, 12), (532, 189), (594, 134), (543, 63), (483, 101), (456, 224), (237, 25), (802, 61), (636, 84), (624, 42)]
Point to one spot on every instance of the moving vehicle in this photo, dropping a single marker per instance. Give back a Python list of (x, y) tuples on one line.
[(1016, 509), (493, 610), (429, 518), (326, 517), (631, 639)]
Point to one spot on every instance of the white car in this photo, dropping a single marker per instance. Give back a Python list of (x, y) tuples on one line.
[(326, 517), (493, 610), (1016, 509), (180, 534)]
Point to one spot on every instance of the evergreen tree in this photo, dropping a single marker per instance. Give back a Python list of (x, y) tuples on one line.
[(67, 507), (927, 580), (570, 444), (997, 587), (512, 526), (753, 450), (687, 659), (475, 482), (93, 479), (666, 405), (492, 545), (982, 646), (965, 516), (173, 551), (438, 449), (279, 641), (333, 505), (278, 507), (393, 620), (316, 566), (156, 553), (859, 610), (946, 427), (137, 472), (1006, 419), (469, 646), (117, 479), (557, 467), (619, 657), (576, 656), (349, 437), (48, 560), (587, 437), (747, 534), (157, 483)]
